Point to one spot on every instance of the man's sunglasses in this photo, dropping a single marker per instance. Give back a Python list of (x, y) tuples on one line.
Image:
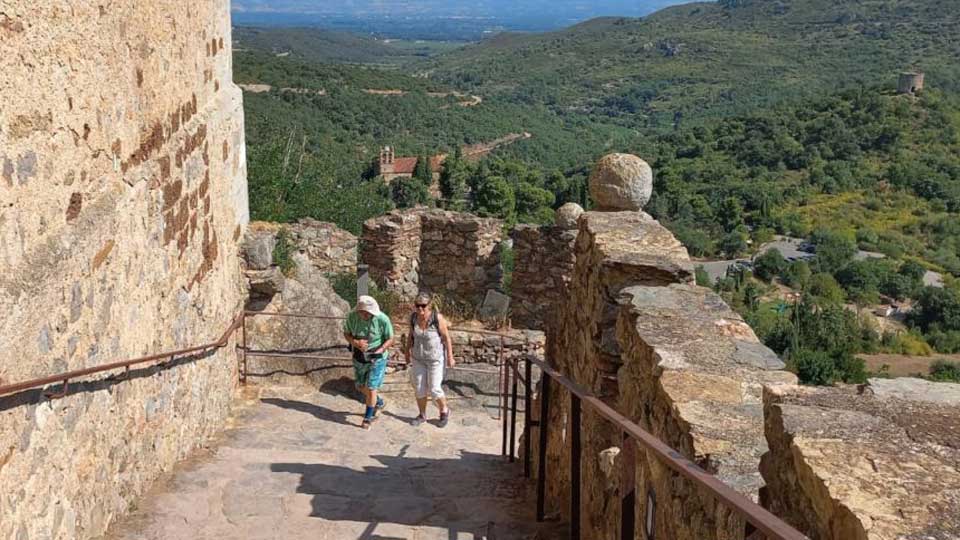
[(420, 306)]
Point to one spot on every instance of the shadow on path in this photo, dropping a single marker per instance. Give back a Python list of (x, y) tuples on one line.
[(462, 496), (321, 413)]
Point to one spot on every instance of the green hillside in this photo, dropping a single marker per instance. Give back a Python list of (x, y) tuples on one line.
[(711, 59)]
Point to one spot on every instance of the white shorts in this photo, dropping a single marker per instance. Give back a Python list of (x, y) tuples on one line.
[(427, 379)]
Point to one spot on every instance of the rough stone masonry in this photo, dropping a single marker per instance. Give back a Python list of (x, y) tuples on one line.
[(453, 253), (667, 354), (122, 199)]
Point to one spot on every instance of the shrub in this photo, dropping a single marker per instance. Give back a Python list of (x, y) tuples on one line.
[(283, 252), (819, 368), (703, 279), (507, 261), (826, 289), (943, 371), (770, 265)]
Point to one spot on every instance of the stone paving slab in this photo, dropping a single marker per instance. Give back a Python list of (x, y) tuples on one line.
[(294, 463)]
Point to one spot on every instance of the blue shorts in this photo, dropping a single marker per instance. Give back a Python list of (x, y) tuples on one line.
[(370, 375)]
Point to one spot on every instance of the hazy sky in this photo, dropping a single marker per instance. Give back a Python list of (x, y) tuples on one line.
[(574, 9)]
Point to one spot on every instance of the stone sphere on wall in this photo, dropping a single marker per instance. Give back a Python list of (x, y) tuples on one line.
[(621, 182), (567, 216)]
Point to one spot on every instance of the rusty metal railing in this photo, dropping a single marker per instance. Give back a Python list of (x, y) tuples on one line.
[(503, 406), (760, 523), (125, 365)]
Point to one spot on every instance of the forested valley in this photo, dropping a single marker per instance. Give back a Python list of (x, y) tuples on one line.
[(747, 146)]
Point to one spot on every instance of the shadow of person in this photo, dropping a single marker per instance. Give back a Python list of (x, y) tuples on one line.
[(321, 413), (460, 495)]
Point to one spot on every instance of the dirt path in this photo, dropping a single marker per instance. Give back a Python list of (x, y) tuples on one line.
[(478, 151)]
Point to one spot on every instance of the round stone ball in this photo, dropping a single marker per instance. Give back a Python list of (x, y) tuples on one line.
[(621, 182), (567, 216)]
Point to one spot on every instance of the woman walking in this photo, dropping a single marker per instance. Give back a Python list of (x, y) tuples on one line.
[(430, 348)]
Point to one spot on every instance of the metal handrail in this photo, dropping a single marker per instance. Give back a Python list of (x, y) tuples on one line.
[(67, 376), (396, 323), (754, 514)]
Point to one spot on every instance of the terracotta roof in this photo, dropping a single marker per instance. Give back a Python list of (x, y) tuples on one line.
[(404, 165)]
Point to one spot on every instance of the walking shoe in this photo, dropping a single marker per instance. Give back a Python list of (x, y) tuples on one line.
[(381, 404), (444, 418), (366, 422), (418, 420)]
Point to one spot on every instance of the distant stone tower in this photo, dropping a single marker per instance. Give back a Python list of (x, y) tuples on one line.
[(386, 156), (385, 167), (910, 83)]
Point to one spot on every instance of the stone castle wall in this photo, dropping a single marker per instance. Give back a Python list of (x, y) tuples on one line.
[(670, 356), (122, 201), (443, 252), (544, 261), (872, 463)]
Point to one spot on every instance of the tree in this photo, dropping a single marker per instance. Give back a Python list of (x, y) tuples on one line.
[(797, 274), (558, 184), (825, 289), (534, 205), (730, 214), (495, 198), (733, 244), (423, 172), (913, 270), (453, 183), (937, 309), (834, 250), (408, 192), (861, 280), (769, 265)]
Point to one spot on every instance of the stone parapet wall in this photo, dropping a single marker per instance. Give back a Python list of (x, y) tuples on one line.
[(328, 248), (122, 201), (390, 246), (877, 462), (670, 356), (543, 267), (460, 255), (456, 254), (472, 348)]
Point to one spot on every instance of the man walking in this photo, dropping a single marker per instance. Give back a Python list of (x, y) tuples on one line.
[(370, 334)]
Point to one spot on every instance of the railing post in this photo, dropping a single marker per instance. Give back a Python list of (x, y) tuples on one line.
[(542, 450), (504, 400), (575, 450), (527, 406), (513, 413), (363, 280), (243, 348), (628, 488)]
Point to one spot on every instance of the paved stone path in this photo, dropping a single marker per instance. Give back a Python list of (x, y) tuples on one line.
[(295, 464)]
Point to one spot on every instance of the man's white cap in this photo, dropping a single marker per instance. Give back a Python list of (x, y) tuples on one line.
[(368, 304)]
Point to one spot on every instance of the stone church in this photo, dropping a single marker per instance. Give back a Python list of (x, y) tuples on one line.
[(389, 166)]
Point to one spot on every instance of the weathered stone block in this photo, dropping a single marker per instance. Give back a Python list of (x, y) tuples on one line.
[(621, 182), (258, 249), (870, 463)]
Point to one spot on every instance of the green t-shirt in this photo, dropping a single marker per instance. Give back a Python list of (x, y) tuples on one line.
[(377, 330)]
